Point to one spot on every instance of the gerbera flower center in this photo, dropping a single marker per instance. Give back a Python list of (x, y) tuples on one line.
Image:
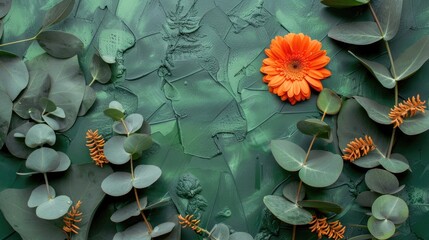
[(295, 65)]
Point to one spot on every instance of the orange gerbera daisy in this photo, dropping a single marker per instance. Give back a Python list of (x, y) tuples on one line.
[(294, 63)]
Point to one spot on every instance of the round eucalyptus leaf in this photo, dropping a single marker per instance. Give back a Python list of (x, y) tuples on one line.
[(322, 206), (15, 79), (377, 112), (240, 236), (100, 70), (43, 160), (58, 12), (314, 127), (162, 229), (117, 184), (16, 145), (357, 33), (35, 114), (137, 231), (322, 169), (137, 143), (381, 181), (59, 44), (146, 175), (369, 161), (288, 155), (328, 102), (88, 100), (381, 229), (133, 123), (58, 112), (47, 105), (367, 198), (64, 162), (397, 163), (344, 3), (291, 189), (220, 231), (39, 135), (113, 113), (391, 208), (40, 195), (116, 105), (286, 211), (51, 122), (416, 124), (114, 150), (129, 210), (54, 208)]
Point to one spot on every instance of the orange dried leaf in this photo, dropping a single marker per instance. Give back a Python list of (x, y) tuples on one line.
[(358, 148), (95, 143), (406, 109)]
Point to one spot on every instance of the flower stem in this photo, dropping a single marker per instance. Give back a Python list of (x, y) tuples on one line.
[(47, 185)]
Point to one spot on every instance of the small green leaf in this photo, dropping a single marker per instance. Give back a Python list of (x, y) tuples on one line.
[(371, 160), (381, 181), (291, 189), (51, 122), (388, 207), (58, 12), (64, 162), (114, 150), (328, 102), (322, 169), (137, 143), (145, 175), (54, 208), (164, 228), (39, 135), (113, 113), (288, 155), (15, 145), (286, 211), (137, 231), (35, 114), (240, 236), (47, 105), (117, 184), (389, 15), (397, 163), (380, 72), (116, 105), (15, 79), (59, 44), (220, 231), (367, 198), (314, 127), (88, 100), (381, 229), (323, 206), (344, 3), (416, 124), (412, 59), (133, 123), (5, 116), (100, 70), (43, 160), (357, 33), (58, 112), (129, 210), (377, 112), (40, 195)]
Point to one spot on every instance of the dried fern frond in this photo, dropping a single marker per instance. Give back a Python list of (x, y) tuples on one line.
[(95, 143), (407, 108), (358, 148), (71, 219), (333, 230), (187, 221)]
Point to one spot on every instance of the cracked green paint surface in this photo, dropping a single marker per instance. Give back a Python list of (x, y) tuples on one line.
[(193, 73)]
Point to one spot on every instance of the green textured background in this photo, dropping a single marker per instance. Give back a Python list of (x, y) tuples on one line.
[(197, 82)]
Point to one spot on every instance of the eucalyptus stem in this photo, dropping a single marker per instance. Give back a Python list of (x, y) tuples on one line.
[(395, 76), (47, 185), (136, 194), (22, 40), (92, 82)]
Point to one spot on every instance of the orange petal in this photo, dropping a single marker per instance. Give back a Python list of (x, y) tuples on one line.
[(296, 88), (269, 70), (284, 88), (305, 89), (276, 81), (315, 74), (315, 84)]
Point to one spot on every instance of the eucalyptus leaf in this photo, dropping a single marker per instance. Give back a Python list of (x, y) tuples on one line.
[(113, 113), (377, 112), (133, 123), (146, 175), (117, 184), (58, 13), (54, 208), (129, 210), (114, 150), (64, 162), (16, 146), (100, 70), (389, 15), (5, 116), (367, 198), (14, 77), (162, 229), (40, 195), (358, 33), (314, 127), (137, 143), (323, 168), (137, 231), (5, 7), (397, 163), (89, 98), (381, 229), (43, 160), (328, 102), (291, 189), (40, 134), (388, 207), (220, 231), (47, 105), (381, 181), (286, 211), (416, 124), (51, 122), (240, 236), (116, 105), (58, 112), (59, 44), (412, 59), (369, 161), (288, 155), (35, 114), (323, 206), (344, 3), (380, 72)]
